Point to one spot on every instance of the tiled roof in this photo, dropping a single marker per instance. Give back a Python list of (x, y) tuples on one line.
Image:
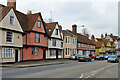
[(50, 27), (66, 32), (82, 39), (114, 37)]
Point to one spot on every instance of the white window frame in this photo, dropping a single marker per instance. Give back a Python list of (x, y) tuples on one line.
[(68, 40), (7, 52), (79, 45), (68, 51), (82, 45), (14, 20), (6, 36)]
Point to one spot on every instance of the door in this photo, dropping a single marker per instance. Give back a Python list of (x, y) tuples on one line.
[(16, 55), (56, 54), (44, 54)]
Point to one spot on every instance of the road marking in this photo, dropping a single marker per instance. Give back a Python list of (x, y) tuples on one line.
[(81, 76), (23, 68)]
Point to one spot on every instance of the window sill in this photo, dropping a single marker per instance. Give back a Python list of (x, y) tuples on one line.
[(9, 42), (7, 57)]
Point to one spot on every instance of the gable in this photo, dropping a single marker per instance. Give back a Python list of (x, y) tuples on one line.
[(36, 28), (5, 23), (109, 44), (108, 37), (54, 31)]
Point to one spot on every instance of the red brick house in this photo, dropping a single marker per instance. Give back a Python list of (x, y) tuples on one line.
[(84, 45), (35, 40)]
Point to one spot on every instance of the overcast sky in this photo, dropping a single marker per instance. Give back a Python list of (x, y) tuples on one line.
[(98, 16)]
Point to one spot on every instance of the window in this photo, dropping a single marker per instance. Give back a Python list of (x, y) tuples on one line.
[(37, 37), (39, 24), (52, 52), (74, 41), (12, 20), (9, 36), (79, 45), (61, 44), (88, 46), (67, 51), (56, 32), (74, 51), (103, 48), (91, 46), (54, 42), (67, 40), (82, 45), (7, 52), (35, 51)]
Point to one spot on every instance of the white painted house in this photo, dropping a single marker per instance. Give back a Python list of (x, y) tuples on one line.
[(10, 34), (55, 42)]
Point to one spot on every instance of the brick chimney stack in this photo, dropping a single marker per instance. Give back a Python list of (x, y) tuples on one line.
[(60, 27), (74, 28), (11, 3), (92, 37), (102, 36)]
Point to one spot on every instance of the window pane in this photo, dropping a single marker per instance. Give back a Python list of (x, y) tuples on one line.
[(39, 24), (9, 36)]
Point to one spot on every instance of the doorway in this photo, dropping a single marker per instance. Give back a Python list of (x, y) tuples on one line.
[(16, 56), (44, 54)]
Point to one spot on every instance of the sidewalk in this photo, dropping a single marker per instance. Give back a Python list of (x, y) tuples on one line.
[(38, 63)]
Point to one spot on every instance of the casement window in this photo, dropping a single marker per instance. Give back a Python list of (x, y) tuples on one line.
[(39, 24), (12, 20), (61, 44), (52, 52), (103, 48), (35, 51), (74, 51), (7, 52), (74, 41), (82, 45), (37, 37), (54, 42), (91, 46), (67, 40), (67, 51), (9, 36), (88, 46), (79, 45), (56, 32)]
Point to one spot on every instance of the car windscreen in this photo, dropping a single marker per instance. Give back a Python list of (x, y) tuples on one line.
[(82, 56), (113, 57)]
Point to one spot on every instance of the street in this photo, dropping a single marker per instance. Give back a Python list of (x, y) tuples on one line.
[(94, 69)]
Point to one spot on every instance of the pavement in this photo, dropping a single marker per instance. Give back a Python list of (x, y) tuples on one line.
[(77, 70), (37, 63)]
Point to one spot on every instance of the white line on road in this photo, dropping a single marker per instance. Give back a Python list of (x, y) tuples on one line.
[(81, 76), (23, 68)]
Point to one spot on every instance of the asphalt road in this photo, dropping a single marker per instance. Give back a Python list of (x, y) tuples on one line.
[(94, 69)]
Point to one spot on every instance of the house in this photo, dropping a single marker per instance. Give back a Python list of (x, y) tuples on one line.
[(115, 40), (103, 46), (84, 45), (10, 33), (70, 43), (55, 41)]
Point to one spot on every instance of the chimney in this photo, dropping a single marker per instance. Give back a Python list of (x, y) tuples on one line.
[(11, 3), (60, 27), (105, 34), (111, 34), (74, 28), (29, 12), (92, 37), (102, 36)]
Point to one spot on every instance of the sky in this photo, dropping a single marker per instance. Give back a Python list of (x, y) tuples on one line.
[(98, 16)]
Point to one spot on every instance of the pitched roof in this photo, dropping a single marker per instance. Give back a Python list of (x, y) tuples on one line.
[(98, 44), (114, 37), (26, 21), (50, 27), (66, 32), (81, 38)]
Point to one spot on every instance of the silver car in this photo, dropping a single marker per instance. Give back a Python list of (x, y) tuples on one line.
[(113, 58), (74, 56)]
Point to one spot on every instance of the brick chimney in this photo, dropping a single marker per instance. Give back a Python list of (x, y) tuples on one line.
[(92, 37), (102, 36), (74, 28), (11, 3), (60, 27), (105, 34)]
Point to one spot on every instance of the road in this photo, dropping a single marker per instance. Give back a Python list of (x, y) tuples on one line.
[(94, 69)]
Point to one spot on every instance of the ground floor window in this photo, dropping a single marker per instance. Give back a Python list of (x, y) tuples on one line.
[(67, 51), (52, 52), (35, 51), (80, 52), (74, 51), (7, 52)]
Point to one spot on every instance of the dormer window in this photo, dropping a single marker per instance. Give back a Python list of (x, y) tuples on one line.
[(39, 24), (12, 20), (56, 32)]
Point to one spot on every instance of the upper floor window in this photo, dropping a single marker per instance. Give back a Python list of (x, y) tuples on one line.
[(91, 46), (82, 45), (56, 32), (103, 48), (78, 44), (61, 44), (54, 42), (88, 46), (35, 51), (74, 41), (37, 37), (67, 40), (39, 24), (9, 36), (12, 20)]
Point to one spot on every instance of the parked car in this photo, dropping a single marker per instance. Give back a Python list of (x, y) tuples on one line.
[(74, 56), (106, 56), (97, 57), (101, 57), (92, 56), (113, 58), (84, 58)]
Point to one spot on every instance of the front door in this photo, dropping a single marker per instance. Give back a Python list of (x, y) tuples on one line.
[(16, 55), (44, 54), (56, 54)]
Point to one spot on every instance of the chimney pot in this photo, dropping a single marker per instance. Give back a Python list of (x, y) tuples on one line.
[(29, 12)]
